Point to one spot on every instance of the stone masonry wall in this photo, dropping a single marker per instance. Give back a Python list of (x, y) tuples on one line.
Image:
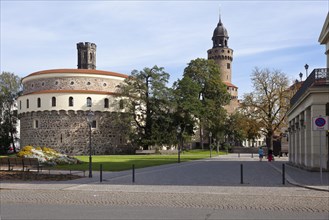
[(68, 132), (71, 83)]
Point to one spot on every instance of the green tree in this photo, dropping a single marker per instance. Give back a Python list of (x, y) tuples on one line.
[(250, 125), (147, 106), (202, 95), (234, 128), (268, 100), (10, 87)]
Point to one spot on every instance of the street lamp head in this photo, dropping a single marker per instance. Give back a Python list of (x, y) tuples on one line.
[(179, 129), (306, 66), (90, 117), (210, 134), (300, 76)]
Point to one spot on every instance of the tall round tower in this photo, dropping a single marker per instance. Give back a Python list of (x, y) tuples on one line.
[(86, 55), (223, 56), (54, 106), (220, 52)]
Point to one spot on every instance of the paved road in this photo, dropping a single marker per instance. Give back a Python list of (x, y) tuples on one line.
[(204, 189)]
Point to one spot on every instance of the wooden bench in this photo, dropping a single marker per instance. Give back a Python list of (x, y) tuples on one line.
[(32, 163), (15, 163), (245, 150), (4, 163), (145, 152)]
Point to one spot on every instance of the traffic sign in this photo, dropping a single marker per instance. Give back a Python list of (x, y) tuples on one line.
[(320, 123)]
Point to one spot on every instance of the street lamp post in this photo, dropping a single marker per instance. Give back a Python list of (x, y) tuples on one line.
[(210, 135), (301, 76), (90, 117), (306, 68), (179, 130), (217, 147)]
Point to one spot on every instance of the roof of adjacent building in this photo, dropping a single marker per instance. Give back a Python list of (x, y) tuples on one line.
[(230, 84), (324, 36)]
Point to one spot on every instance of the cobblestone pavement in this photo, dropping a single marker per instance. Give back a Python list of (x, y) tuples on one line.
[(201, 185), (289, 199)]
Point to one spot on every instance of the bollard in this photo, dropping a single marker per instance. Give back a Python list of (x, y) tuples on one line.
[(239, 155), (241, 169), (133, 173), (252, 155), (283, 174), (101, 172)]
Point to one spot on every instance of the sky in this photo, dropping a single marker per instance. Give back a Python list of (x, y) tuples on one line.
[(279, 35)]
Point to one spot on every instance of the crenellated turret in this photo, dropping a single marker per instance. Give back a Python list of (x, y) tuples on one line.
[(86, 55)]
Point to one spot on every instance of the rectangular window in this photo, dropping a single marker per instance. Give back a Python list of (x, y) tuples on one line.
[(35, 124), (94, 124), (53, 101), (39, 102), (106, 103), (228, 66), (121, 104), (89, 102), (27, 103)]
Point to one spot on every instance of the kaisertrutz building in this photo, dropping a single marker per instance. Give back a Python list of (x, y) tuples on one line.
[(308, 148), (223, 56), (54, 105)]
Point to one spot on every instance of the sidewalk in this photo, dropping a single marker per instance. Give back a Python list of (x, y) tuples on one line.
[(224, 170)]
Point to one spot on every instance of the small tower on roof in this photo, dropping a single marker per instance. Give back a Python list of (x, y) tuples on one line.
[(86, 55)]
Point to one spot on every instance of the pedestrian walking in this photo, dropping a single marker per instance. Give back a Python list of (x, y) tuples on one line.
[(260, 153), (270, 155)]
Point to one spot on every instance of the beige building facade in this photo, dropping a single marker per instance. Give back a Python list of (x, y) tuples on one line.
[(308, 148)]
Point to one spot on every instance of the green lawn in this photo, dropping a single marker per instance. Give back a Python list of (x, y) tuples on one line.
[(125, 162)]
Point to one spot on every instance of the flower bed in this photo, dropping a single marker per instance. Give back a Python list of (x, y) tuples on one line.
[(47, 156)]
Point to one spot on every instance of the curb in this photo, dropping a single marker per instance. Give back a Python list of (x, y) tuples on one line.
[(293, 182)]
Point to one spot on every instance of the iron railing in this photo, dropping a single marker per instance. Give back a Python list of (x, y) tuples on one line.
[(318, 77)]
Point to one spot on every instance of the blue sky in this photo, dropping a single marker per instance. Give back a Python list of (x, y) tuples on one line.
[(40, 35)]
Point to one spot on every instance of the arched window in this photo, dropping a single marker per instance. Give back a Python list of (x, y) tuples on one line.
[(106, 103), (27, 103), (89, 103), (39, 102), (53, 101), (71, 101)]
